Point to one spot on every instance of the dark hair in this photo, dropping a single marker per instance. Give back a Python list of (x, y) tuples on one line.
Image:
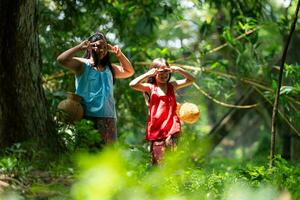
[(97, 61)]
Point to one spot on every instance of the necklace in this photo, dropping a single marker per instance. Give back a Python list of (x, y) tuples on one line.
[(99, 68)]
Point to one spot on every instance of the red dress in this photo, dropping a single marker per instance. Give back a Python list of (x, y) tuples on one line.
[(162, 118)]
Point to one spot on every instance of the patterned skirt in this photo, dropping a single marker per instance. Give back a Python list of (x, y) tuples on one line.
[(107, 128), (158, 148)]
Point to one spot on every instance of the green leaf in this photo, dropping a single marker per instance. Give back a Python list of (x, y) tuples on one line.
[(286, 89)]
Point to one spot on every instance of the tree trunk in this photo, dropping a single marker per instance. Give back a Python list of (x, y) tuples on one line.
[(295, 148), (285, 133), (23, 110), (286, 146), (211, 111)]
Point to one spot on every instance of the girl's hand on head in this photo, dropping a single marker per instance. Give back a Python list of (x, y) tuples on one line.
[(152, 72), (174, 68), (85, 45), (114, 49)]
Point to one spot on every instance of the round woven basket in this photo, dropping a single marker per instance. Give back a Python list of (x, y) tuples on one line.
[(188, 113)]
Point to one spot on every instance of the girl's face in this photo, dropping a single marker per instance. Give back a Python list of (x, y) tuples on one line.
[(163, 74), (100, 47)]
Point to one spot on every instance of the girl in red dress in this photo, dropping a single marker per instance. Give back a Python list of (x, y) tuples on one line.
[(163, 125)]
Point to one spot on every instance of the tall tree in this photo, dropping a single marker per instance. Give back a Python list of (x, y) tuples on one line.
[(23, 111), (279, 82)]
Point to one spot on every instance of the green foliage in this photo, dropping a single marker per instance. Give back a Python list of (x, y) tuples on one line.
[(8, 164), (121, 172), (80, 136), (286, 175), (113, 175), (184, 32), (255, 174), (86, 136)]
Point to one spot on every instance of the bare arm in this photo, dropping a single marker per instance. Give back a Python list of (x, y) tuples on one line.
[(138, 84), (125, 70), (68, 59), (189, 79)]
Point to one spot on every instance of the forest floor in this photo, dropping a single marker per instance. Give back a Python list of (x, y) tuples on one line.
[(37, 184), (216, 177)]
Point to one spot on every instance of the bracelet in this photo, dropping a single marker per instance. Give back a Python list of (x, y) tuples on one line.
[(119, 56)]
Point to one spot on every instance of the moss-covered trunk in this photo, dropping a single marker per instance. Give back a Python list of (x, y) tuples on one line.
[(23, 110)]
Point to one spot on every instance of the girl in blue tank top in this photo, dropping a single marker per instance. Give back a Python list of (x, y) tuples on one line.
[(94, 78)]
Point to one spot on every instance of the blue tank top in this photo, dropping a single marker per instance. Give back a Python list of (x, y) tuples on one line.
[(96, 89)]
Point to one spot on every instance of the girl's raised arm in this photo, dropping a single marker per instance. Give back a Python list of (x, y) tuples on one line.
[(137, 82), (68, 59), (125, 70), (189, 79)]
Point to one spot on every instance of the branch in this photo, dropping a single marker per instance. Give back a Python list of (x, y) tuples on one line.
[(233, 76), (225, 44), (237, 38), (56, 76), (280, 113), (222, 103)]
